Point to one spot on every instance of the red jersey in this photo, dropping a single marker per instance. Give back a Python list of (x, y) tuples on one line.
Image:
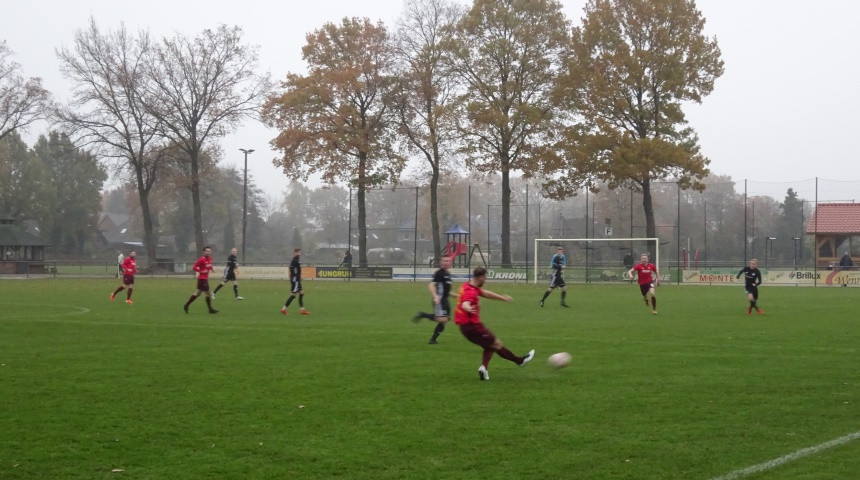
[(203, 266), (129, 266), (647, 273), (471, 294)]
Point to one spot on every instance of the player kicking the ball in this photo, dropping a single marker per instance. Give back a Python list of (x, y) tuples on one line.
[(648, 278), (466, 316)]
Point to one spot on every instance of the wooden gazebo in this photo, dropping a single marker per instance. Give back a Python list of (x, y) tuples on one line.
[(834, 225), (20, 252)]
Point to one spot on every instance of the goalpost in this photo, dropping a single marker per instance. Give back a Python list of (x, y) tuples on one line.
[(595, 254)]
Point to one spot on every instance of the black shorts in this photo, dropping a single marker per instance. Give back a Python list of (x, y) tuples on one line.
[(556, 280), (295, 286), (645, 288), (203, 284), (229, 276), (752, 290), (443, 308), (127, 279), (478, 334)]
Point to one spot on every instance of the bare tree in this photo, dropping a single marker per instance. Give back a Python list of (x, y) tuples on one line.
[(22, 100), (202, 88), (426, 102), (109, 72)]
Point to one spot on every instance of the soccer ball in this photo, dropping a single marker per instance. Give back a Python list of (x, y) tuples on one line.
[(559, 360)]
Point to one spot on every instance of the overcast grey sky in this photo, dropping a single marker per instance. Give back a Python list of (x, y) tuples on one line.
[(786, 109)]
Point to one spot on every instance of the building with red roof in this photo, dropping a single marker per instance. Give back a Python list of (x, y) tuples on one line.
[(834, 225)]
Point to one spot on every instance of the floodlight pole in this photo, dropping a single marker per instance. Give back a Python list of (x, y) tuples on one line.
[(245, 201)]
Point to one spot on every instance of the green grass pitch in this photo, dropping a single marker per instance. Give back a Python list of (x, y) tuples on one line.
[(353, 391)]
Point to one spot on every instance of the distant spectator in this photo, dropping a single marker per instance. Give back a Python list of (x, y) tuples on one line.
[(347, 259), (119, 259), (628, 260), (845, 263)]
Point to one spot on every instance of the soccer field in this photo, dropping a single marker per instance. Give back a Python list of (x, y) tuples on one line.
[(97, 389)]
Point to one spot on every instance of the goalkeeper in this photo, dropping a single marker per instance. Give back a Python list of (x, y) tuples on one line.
[(558, 263)]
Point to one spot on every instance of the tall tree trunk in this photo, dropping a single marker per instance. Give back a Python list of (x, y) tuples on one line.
[(195, 201), (362, 209), (506, 215), (434, 211), (435, 162), (149, 241), (650, 225)]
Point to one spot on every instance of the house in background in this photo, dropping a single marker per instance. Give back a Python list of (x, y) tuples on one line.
[(834, 226), (114, 231)]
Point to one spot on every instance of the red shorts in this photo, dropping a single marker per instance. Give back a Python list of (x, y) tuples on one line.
[(478, 334), (127, 279), (203, 284)]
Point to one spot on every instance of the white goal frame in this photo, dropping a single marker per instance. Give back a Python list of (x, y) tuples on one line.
[(538, 241)]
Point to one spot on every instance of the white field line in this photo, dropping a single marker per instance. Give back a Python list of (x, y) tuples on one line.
[(776, 462)]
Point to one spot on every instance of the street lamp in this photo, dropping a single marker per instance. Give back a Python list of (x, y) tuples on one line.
[(245, 201), (768, 240)]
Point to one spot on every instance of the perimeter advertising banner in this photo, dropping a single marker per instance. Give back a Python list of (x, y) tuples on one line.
[(775, 277), (275, 272), (376, 273), (334, 272), (382, 273)]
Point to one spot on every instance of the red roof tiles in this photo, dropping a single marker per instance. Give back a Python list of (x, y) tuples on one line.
[(838, 218)]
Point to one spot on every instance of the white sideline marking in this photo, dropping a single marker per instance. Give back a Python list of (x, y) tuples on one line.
[(776, 462)]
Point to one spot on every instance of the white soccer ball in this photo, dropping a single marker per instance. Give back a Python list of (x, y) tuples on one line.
[(559, 360)]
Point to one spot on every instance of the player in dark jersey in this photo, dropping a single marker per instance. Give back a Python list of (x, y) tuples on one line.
[(296, 284), (129, 268), (440, 289), (646, 272), (467, 316), (752, 279), (230, 275), (558, 263), (202, 268)]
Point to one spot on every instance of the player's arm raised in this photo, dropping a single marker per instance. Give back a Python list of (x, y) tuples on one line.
[(495, 296)]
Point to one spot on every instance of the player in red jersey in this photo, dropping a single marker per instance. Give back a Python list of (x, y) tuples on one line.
[(648, 278), (129, 268), (202, 267), (466, 316)]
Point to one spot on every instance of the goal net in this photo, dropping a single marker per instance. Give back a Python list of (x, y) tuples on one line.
[(594, 259)]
